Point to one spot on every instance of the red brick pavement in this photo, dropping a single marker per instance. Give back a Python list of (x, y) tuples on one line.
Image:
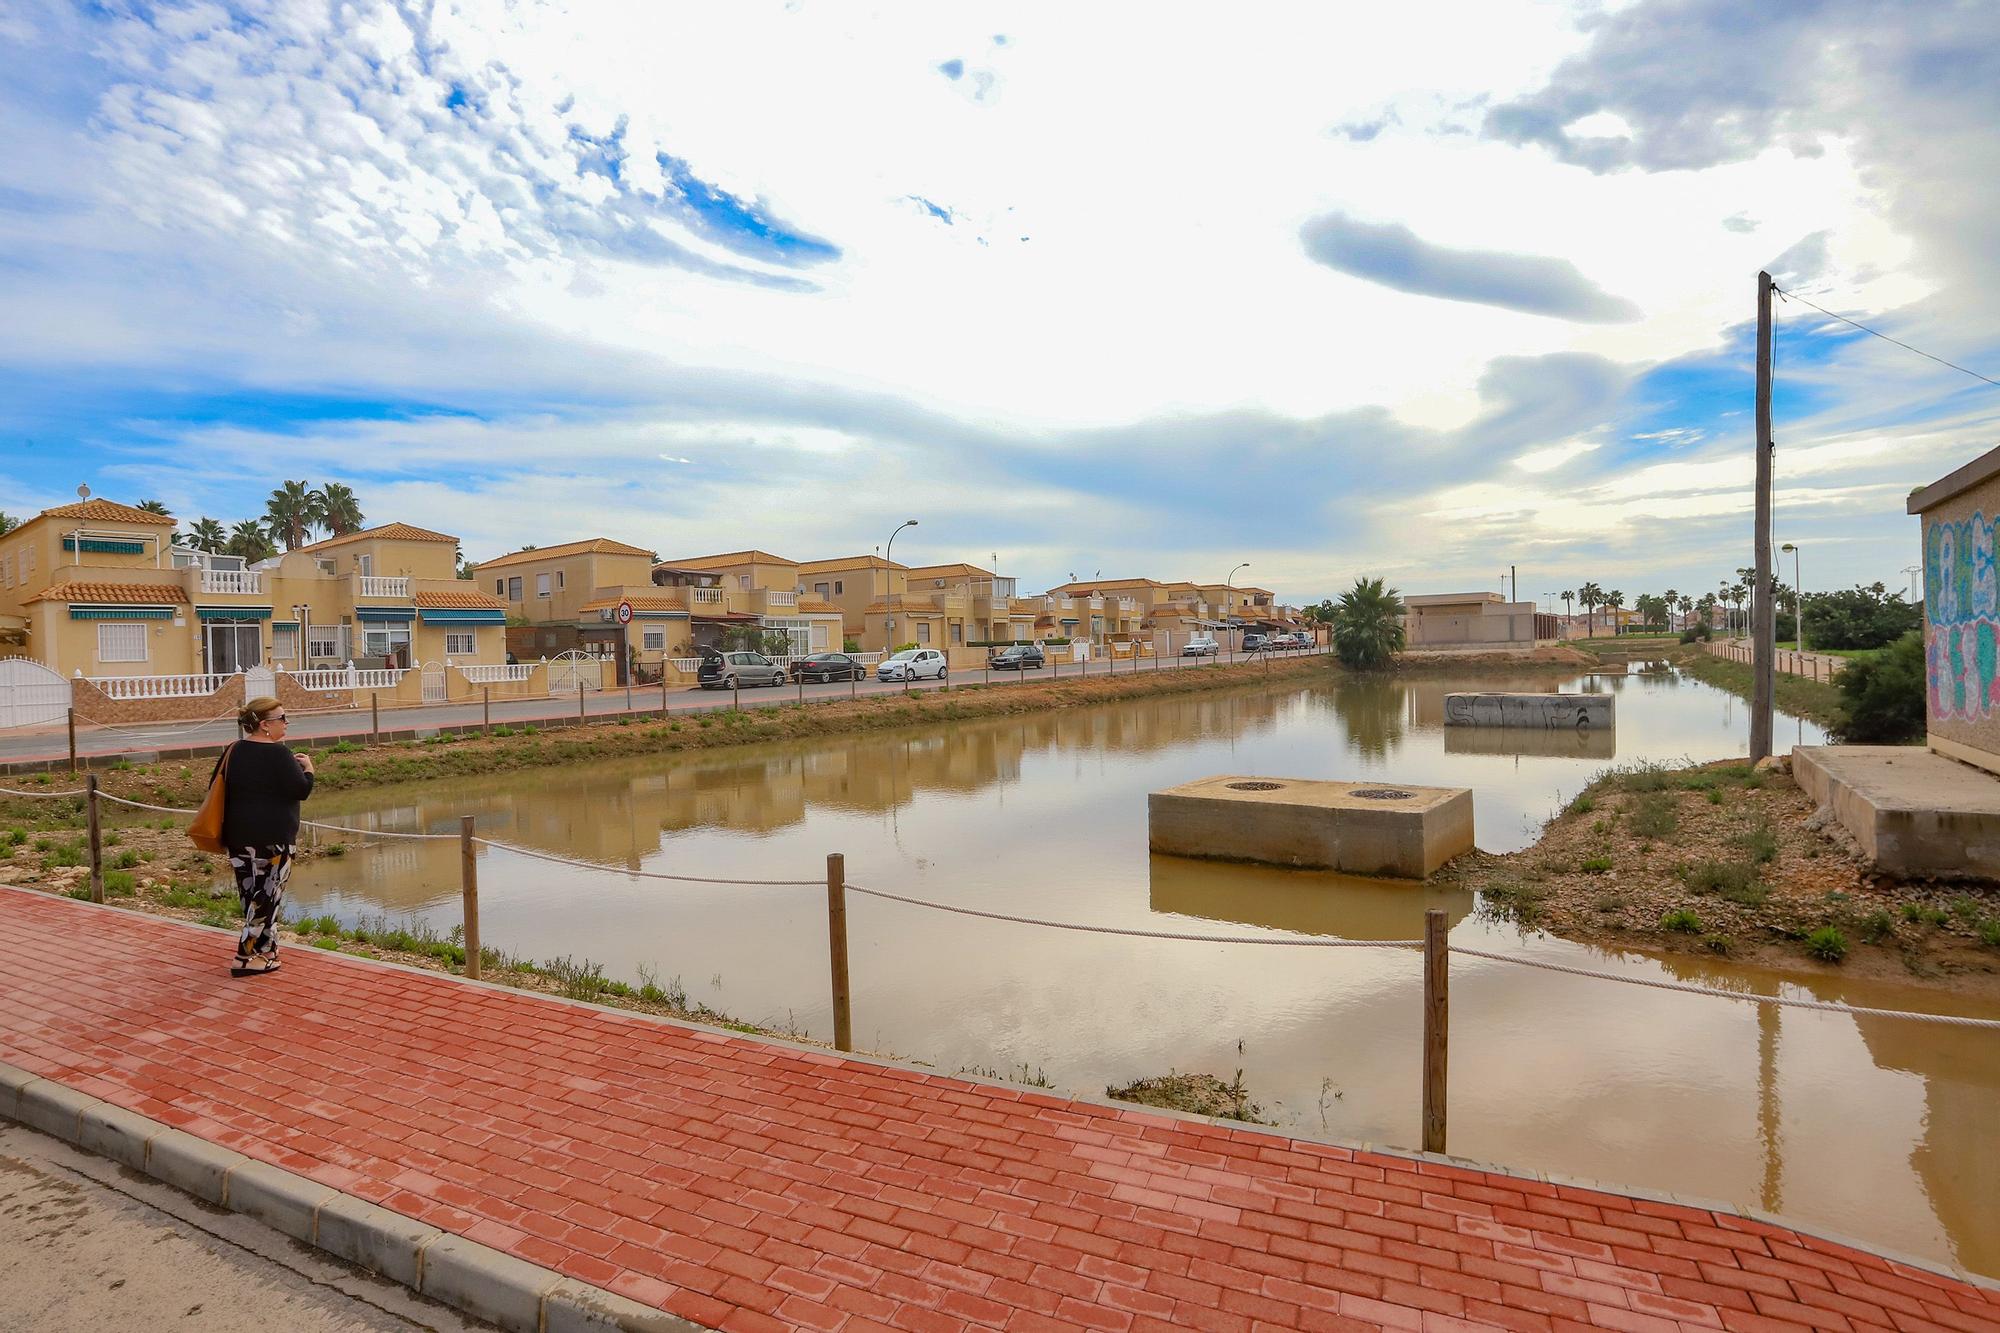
[(751, 1186)]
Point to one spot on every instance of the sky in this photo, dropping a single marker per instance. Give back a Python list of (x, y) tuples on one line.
[(1419, 292)]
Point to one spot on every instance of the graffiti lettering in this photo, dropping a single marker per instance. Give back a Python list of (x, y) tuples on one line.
[(1962, 615)]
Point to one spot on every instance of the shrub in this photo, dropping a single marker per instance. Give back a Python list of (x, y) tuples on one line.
[(1694, 632), (1828, 944), (1861, 617), (1882, 694), (579, 980), (1582, 805), (1647, 777), (1732, 881), (1877, 926), (1965, 909), (1596, 865), (125, 860), (119, 884), (1989, 932), (1681, 920), (1368, 625)]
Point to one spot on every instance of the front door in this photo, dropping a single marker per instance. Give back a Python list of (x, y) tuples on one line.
[(233, 648)]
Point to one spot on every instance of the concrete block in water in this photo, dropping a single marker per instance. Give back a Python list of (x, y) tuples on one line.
[(1365, 828), (1552, 712)]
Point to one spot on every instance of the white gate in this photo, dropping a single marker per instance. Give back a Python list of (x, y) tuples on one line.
[(568, 671), (30, 693), (433, 679), (259, 682)]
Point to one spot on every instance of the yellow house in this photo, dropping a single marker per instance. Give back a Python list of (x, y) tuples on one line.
[(854, 583), (98, 590), (978, 599), (565, 598), (753, 590)]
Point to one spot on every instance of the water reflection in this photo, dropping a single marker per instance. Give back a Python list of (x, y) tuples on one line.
[(1558, 743), (1305, 902), (1875, 1129)]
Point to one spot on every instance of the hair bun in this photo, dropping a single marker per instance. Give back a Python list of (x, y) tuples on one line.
[(255, 711)]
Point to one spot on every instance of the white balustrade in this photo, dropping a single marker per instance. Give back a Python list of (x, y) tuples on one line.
[(774, 598), (324, 679), (686, 665), (375, 585), (505, 673), (160, 687), (711, 596), (377, 678), (248, 581)]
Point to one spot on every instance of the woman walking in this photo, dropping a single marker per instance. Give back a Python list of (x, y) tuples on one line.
[(263, 783)]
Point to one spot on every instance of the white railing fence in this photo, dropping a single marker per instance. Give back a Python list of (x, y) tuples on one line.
[(503, 674), (375, 585), (705, 595), (781, 599), (377, 678), (232, 580), (159, 687)]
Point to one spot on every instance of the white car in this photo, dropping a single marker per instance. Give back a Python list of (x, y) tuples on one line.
[(1200, 645), (912, 664)]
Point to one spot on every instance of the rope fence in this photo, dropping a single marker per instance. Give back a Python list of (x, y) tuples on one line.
[(1435, 949)]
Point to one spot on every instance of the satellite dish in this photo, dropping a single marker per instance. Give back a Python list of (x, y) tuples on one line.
[(83, 492)]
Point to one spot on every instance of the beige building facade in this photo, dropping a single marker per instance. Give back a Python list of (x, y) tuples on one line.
[(1962, 611)]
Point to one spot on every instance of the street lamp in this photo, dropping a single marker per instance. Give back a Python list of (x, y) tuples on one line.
[(1228, 601), (1916, 595), (888, 554), (1798, 598)]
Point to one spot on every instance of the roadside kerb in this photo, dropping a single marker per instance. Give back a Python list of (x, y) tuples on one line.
[(461, 1273)]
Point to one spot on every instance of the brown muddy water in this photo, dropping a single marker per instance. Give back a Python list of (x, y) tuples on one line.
[(1877, 1128)]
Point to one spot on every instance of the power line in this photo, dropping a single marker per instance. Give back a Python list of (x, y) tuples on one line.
[(1794, 296)]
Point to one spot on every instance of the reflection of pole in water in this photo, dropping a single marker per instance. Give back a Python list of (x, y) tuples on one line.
[(1767, 1105)]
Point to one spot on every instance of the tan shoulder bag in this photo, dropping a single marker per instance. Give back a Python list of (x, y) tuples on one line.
[(205, 831)]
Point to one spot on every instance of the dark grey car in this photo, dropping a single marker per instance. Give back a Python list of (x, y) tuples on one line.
[(723, 671)]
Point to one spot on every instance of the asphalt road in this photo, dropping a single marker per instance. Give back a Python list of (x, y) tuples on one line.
[(52, 742), (92, 1246)]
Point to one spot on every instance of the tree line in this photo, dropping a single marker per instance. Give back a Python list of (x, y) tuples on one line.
[(293, 515)]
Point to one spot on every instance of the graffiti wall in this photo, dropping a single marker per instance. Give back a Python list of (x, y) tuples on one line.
[(1962, 619)]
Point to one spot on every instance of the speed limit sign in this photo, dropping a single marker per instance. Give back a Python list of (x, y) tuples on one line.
[(624, 613)]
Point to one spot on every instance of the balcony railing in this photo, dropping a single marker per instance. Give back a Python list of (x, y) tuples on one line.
[(774, 598), (249, 581), (705, 596), (375, 585)]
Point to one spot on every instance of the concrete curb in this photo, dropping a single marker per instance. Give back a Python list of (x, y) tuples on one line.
[(470, 1277), (1421, 1160)]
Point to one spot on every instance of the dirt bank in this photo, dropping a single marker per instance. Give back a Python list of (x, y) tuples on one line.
[(1723, 860), (1417, 661)]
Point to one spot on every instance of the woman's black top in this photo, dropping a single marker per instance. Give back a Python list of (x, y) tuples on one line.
[(260, 807)]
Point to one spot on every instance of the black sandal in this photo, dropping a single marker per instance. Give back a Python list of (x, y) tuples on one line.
[(243, 968)]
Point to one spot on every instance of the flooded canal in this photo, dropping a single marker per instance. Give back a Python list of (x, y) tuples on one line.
[(1879, 1128)]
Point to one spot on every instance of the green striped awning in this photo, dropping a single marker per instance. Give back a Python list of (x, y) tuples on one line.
[(284, 624), (105, 545), (404, 614), (233, 612), (462, 615), (121, 613)]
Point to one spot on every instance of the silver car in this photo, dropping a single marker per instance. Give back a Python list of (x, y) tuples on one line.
[(728, 671)]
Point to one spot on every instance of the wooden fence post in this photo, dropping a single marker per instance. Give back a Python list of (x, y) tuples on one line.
[(96, 840), (72, 741), (374, 717), (836, 944), (580, 718), (486, 710), (1437, 1013), (468, 882)]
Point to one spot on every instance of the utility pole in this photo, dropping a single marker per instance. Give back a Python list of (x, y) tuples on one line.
[(1763, 625)]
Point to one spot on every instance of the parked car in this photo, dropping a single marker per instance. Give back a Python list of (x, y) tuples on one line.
[(912, 664), (1256, 643), (1019, 657), (1200, 645), (1287, 640), (727, 671), (828, 666)]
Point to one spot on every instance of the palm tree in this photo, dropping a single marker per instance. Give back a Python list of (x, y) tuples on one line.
[(1568, 596), (293, 511), (339, 511), (155, 507), (1614, 599), (1687, 608), (1590, 597), (207, 535), (1368, 625), (250, 540), (1669, 602)]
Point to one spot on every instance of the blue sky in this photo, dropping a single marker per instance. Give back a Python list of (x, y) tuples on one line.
[(1086, 295)]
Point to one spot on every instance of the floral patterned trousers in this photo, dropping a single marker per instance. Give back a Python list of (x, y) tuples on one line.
[(261, 873)]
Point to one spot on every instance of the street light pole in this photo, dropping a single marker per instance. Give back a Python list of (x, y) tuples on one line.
[(1798, 598), (888, 555), (1228, 600)]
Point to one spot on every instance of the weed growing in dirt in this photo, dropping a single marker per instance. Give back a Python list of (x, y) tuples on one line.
[(1989, 932), (1732, 881), (1582, 805), (579, 980), (120, 884), (1758, 843), (1719, 944), (125, 860), (1922, 915), (1877, 926), (1654, 816), (1595, 865), (1965, 909), (1828, 944), (1647, 778), (1681, 920)]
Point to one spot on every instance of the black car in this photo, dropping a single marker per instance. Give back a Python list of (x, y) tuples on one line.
[(828, 666), (1019, 657)]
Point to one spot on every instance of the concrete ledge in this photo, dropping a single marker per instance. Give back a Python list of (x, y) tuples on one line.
[(1547, 712), (277, 1198), (1364, 828), (1913, 813), (470, 1277)]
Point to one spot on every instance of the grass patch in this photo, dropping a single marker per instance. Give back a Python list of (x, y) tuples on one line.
[(1732, 881), (1827, 943), (1595, 865), (120, 884), (1989, 932), (1514, 899), (578, 979), (1681, 920), (1759, 843), (1653, 815), (1877, 926), (1922, 914), (1202, 1094)]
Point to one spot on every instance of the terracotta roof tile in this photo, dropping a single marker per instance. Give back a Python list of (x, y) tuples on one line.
[(395, 532), (709, 562), (459, 601), (105, 511), (839, 563), (814, 606), (117, 594), (638, 603), (589, 546)]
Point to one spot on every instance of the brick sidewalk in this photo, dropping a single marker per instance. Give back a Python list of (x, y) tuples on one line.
[(747, 1186)]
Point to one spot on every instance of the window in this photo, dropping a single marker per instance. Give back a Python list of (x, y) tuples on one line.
[(656, 639), (837, 588), (7, 568), (514, 588), (364, 565), (458, 643), (541, 585), (284, 644), (957, 632), (499, 587), (923, 631), (323, 642), (384, 637), (121, 641), (559, 578), (819, 589), (743, 580)]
